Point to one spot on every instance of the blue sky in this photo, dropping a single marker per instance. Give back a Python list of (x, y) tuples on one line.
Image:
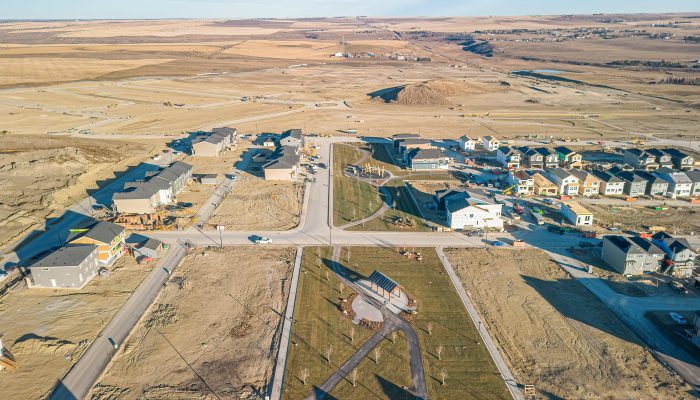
[(68, 9)]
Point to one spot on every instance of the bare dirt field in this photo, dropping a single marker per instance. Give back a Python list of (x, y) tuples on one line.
[(554, 333), (257, 204), (40, 175), (215, 327), (48, 330), (680, 220)]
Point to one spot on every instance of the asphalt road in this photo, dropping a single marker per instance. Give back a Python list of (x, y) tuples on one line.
[(80, 379)]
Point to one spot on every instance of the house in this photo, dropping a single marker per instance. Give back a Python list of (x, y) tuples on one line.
[(531, 158), (661, 158), (551, 159), (415, 143), (229, 134), (179, 174), (283, 165), (543, 186), (69, 267), (490, 143), (142, 200), (610, 185), (680, 159), (679, 185), (631, 256), (473, 210), (107, 236), (694, 177), (635, 185), (655, 185), (400, 137), (589, 183), (269, 142), (508, 157), (679, 253), (567, 184), (161, 186), (576, 214), (215, 143), (384, 286), (150, 247), (568, 158), (640, 159), (466, 143), (441, 196), (421, 159), (293, 138), (522, 182), (209, 179)]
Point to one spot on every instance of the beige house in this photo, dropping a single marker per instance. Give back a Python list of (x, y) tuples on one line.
[(211, 146), (543, 186), (589, 184)]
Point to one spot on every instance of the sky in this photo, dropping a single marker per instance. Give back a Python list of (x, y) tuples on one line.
[(118, 9)]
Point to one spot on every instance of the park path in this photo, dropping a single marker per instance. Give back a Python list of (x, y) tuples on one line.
[(391, 323)]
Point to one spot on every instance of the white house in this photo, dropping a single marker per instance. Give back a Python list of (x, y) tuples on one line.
[(576, 214), (568, 184), (679, 185), (473, 211), (509, 157), (521, 182), (490, 143), (466, 143)]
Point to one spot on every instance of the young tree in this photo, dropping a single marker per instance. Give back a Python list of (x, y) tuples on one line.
[(329, 351), (341, 287), (352, 333), (328, 275), (303, 375), (393, 336), (429, 328), (353, 376), (439, 351), (347, 259), (443, 375), (377, 354)]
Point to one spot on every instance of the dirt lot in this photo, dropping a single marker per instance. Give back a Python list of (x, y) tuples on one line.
[(256, 204), (680, 220), (48, 330), (216, 325), (42, 175), (554, 333)]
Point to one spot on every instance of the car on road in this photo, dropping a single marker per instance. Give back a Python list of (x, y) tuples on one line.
[(476, 232), (185, 205), (321, 165), (113, 343), (497, 243), (261, 240), (677, 318)]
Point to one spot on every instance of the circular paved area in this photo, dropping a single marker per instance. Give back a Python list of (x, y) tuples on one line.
[(365, 310)]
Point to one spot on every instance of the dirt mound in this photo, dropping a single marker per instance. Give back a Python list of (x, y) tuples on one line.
[(425, 93), (42, 345), (163, 315)]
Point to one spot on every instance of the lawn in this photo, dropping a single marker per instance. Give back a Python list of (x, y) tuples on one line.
[(404, 208), (319, 324), (471, 371), (352, 199)]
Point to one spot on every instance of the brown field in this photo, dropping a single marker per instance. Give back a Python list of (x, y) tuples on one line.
[(554, 333), (47, 330), (217, 321)]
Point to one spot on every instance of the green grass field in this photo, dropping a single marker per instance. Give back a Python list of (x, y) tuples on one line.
[(404, 208), (319, 324), (471, 371), (352, 199)]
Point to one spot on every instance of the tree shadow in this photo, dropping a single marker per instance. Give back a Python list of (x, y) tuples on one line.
[(61, 392), (393, 391), (320, 394)]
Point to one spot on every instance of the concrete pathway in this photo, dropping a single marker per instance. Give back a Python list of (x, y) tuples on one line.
[(283, 351)]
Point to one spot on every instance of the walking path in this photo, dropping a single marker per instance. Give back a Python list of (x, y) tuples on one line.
[(278, 377), (485, 337)]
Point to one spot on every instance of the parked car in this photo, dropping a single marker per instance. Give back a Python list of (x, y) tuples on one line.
[(497, 243), (677, 318), (322, 165), (476, 232), (262, 240)]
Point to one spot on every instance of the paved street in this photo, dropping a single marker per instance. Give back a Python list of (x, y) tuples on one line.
[(80, 379)]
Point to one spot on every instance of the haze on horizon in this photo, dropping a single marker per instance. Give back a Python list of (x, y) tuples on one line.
[(132, 9)]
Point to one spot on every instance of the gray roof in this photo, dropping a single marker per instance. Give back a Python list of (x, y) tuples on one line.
[(579, 173), (646, 245), (651, 178), (67, 256), (175, 171), (630, 176), (693, 175), (415, 141), (606, 177), (383, 281), (294, 133), (405, 136), (104, 231), (624, 244), (471, 197), (144, 192), (559, 172), (426, 154), (152, 244), (564, 150)]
